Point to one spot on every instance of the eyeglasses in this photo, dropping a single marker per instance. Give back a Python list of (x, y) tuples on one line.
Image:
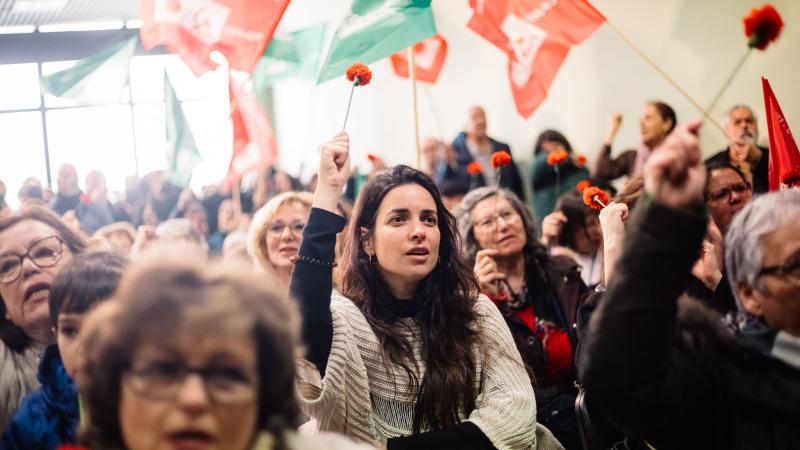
[(277, 228), (43, 253), (163, 380), (725, 193), (789, 269), (487, 225)]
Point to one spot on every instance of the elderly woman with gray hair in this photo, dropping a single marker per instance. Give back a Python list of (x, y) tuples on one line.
[(666, 369), (537, 294)]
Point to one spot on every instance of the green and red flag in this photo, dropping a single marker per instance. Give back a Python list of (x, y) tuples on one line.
[(182, 154)]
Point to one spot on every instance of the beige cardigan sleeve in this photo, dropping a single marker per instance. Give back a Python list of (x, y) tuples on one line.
[(506, 407), (17, 379)]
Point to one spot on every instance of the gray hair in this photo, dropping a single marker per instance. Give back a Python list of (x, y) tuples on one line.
[(725, 119), (181, 230), (463, 216), (744, 255)]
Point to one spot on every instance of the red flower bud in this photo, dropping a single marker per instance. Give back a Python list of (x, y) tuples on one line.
[(500, 158), (762, 26), (474, 168), (557, 157), (580, 160), (359, 74), (583, 184), (595, 198)]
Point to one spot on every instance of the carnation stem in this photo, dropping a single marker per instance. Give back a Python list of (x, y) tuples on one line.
[(727, 82), (558, 184), (349, 102), (600, 202)]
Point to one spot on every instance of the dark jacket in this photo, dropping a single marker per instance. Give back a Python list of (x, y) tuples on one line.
[(669, 373), (48, 416), (62, 203), (760, 172), (609, 169), (509, 174)]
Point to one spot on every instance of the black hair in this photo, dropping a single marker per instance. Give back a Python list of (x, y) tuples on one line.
[(713, 166), (571, 205), (666, 112), (85, 281), (551, 136)]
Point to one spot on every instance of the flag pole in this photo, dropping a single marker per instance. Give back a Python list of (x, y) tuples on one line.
[(665, 75), (412, 75)]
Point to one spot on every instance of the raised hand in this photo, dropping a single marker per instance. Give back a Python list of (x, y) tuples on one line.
[(612, 222), (334, 170), (487, 272), (674, 174), (552, 224), (614, 124)]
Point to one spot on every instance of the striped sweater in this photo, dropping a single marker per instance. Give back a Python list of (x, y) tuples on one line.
[(17, 378), (370, 399)]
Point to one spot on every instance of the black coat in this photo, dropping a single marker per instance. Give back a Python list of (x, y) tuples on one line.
[(666, 370)]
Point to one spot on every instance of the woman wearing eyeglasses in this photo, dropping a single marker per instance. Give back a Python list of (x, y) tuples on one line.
[(194, 357), (275, 234), (537, 294), (34, 244)]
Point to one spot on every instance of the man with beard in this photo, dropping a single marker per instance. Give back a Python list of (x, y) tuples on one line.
[(742, 152), (69, 194)]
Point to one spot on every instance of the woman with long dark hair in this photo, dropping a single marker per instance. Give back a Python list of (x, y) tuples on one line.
[(411, 355)]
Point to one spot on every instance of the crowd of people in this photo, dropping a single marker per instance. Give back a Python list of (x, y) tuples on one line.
[(442, 307)]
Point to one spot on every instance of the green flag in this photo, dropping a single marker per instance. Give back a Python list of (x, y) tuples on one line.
[(295, 55), (376, 29), (97, 79), (182, 154)]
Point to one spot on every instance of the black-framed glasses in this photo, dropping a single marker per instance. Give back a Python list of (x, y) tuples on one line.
[(738, 188), (789, 269), (45, 252), (276, 228), (224, 384)]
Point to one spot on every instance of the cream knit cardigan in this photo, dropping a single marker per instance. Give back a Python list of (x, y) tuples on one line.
[(17, 378), (369, 399)]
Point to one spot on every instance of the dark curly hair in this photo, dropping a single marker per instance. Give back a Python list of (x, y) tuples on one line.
[(163, 297), (444, 313)]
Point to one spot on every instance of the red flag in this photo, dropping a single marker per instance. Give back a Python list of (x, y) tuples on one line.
[(537, 35), (192, 29), (429, 56), (253, 140), (784, 158)]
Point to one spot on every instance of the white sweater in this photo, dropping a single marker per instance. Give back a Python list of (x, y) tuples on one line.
[(17, 378), (369, 399)]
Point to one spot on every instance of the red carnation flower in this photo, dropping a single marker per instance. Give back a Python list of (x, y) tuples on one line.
[(790, 177), (762, 26), (84, 198), (372, 157), (580, 160), (474, 168), (557, 157), (583, 184), (595, 198), (500, 158), (359, 74)]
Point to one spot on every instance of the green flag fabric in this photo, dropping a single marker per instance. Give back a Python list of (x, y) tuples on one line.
[(376, 29), (293, 55), (182, 154), (96, 79)]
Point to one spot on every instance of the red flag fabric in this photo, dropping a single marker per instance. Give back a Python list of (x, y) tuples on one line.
[(192, 29), (254, 144), (537, 35), (784, 158), (429, 56)]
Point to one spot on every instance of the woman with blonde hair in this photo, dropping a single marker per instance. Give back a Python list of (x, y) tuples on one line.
[(276, 232)]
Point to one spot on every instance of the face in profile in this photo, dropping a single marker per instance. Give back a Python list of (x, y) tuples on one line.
[(25, 283), (405, 238), (653, 127), (197, 390), (503, 231)]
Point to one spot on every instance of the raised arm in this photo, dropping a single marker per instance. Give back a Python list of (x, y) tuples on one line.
[(312, 280)]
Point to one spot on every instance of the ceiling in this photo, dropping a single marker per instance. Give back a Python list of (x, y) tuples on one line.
[(14, 13)]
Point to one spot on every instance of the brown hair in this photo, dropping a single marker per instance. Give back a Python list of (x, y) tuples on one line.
[(13, 336), (631, 192), (160, 297)]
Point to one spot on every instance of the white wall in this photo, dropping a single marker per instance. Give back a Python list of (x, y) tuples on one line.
[(697, 42)]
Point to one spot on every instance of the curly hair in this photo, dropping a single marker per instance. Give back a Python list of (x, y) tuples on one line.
[(445, 300), (160, 298)]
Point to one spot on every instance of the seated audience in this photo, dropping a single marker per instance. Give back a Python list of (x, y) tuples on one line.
[(48, 416), (655, 364)]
